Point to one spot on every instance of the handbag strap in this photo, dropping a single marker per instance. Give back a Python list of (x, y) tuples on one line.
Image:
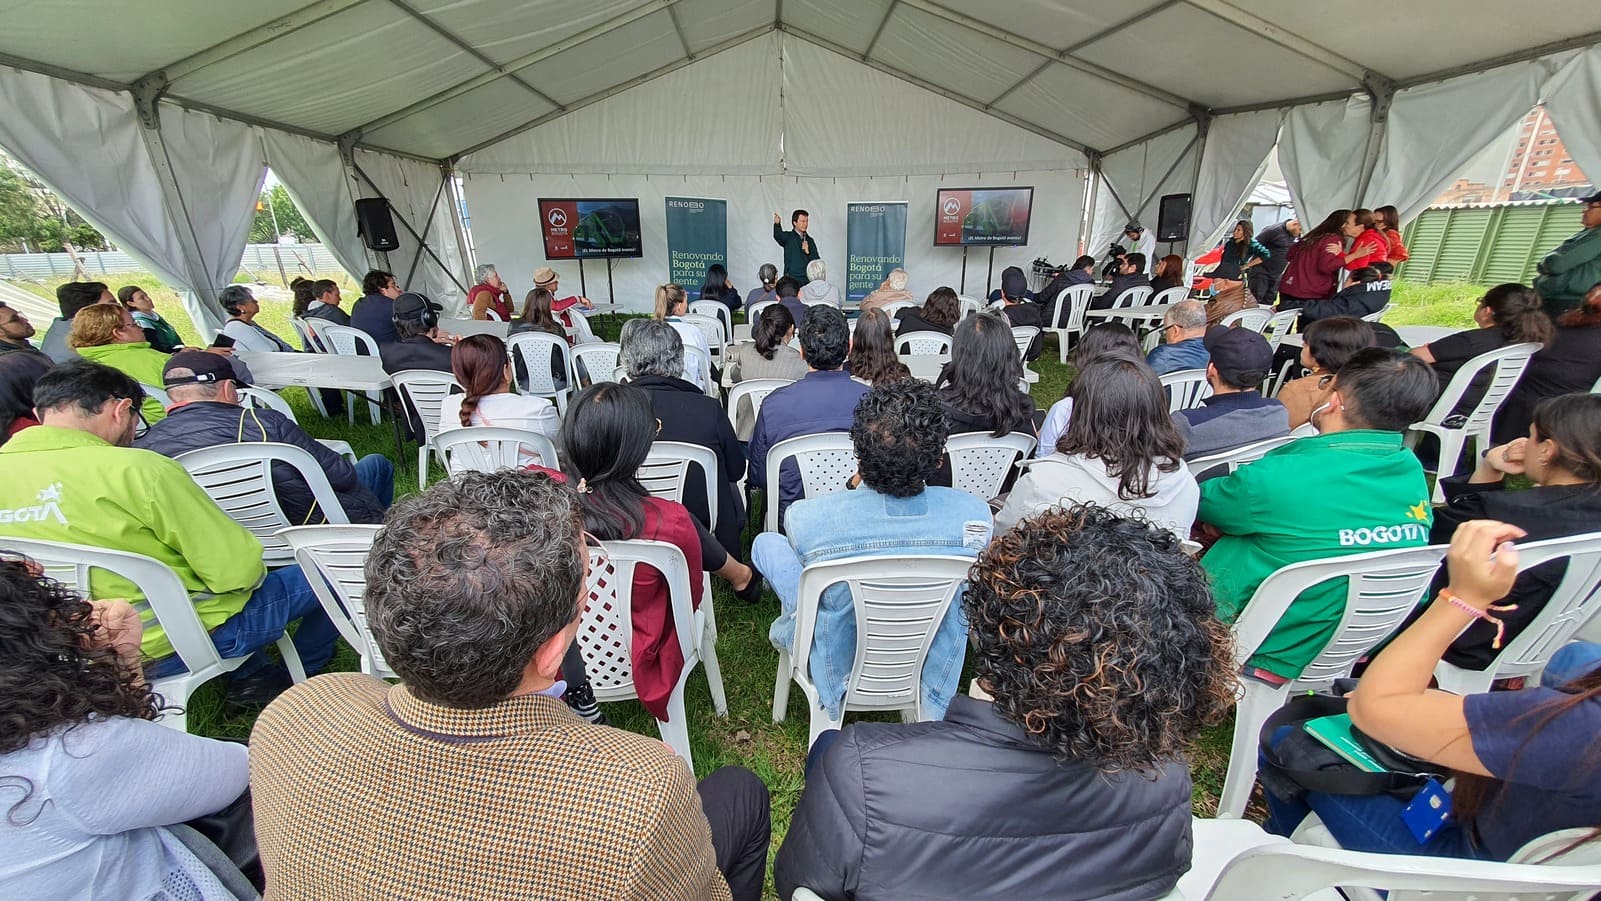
[(1346, 780)]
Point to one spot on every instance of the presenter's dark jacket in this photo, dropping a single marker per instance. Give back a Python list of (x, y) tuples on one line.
[(795, 259)]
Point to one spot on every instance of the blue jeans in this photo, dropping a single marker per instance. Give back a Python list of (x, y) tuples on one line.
[(377, 474), (1571, 661), (283, 597)]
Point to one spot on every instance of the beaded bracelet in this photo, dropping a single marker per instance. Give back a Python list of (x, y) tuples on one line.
[(1476, 613)]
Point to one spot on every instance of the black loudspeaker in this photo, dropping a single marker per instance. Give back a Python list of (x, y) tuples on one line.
[(375, 225), (1173, 220)]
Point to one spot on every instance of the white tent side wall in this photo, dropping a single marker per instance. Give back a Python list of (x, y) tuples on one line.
[(419, 198), (1134, 181)]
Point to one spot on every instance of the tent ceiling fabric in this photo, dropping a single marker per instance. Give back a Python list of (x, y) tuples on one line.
[(434, 78)]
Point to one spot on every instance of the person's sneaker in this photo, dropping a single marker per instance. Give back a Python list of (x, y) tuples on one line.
[(256, 691)]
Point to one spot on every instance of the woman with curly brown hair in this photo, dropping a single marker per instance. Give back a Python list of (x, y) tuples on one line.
[(1095, 636), (89, 784)]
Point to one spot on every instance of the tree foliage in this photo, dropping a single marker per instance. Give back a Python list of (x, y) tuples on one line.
[(32, 218), (275, 201)]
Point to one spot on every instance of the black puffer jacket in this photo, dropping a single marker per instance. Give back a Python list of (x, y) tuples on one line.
[(969, 808), (1358, 300), (208, 424)]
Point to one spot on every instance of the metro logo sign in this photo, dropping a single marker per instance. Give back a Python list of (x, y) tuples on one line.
[(555, 217), (948, 220)]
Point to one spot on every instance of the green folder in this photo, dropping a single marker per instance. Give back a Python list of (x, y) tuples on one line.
[(1335, 732)]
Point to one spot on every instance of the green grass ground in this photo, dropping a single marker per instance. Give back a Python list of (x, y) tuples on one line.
[(747, 737)]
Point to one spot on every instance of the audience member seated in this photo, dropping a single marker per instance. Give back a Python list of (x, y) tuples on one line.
[(15, 330), (546, 277), (1082, 272), (1236, 414), (205, 412), (939, 313), (1169, 274), (1020, 310), (788, 290), (1352, 488), (1020, 289), (891, 290), (1562, 457), (1570, 364), (1369, 246), (72, 297), (96, 792), (1519, 757), (1326, 345), (767, 291), (418, 343), (768, 354), (497, 787), (1277, 238), (318, 300), (716, 286), (978, 387), (106, 333), (1569, 272), (1506, 314), (1182, 347), (489, 298), (671, 304), (1130, 274), (480, 365), (653, 357), (824, 400), (1099, 340), (18, 373), (1366, 291), (374, 313), (1241, 254), (537, 317), (818, 290), (1313, 263), (899, 432), (872, 358), (1100, 661), (82, 483), (158, 331), (1121, 451), (242, 307)]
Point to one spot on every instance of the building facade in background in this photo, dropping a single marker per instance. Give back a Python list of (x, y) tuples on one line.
[(1538, 168)]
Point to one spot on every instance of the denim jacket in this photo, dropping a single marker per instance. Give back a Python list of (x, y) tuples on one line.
[(865, 523)]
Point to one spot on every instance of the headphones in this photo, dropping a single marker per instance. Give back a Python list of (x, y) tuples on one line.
[(429, 317)]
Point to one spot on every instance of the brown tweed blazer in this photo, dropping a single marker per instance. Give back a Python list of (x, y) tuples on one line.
[(363, 791)]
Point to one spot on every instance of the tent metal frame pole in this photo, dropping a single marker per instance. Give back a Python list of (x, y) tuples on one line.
[(1203, 128), (879, 31), (1086, 219), (469, 49), (286, 24), (1378, 126), (433, 213), (1290, 41), (469, 256), (421, 243), (1157, 189)]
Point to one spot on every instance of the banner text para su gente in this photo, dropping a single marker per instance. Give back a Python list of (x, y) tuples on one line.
[(688, 268), (866, 273)]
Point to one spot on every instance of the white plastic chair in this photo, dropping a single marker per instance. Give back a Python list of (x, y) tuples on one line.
[(968, 306), (826, 461), (531, 354), (339, 555), (697, 362), (899, 603), (920, 343), (1137, 296), (1186, 388), (753, 313), (424, 391), (1236, 457), (1278, 325), (890, 309), (1151, 341), (606, 631), (254, 398), (1170, 295), (981, 462), (598, 360), (482, 448), (1076, 299), (577, 327), (352, 342), (1375, 317), (239, 478), (711, 327), (665, 473), (1024, 335), (308, 336), (1291, 370), (166, 601), (1253, 318), (1382, 589), (713, 309), (753, 392), (1573, 604), (1508, 363)]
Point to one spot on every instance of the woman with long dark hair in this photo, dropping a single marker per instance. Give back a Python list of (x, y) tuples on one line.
[(872, 358), (1241, 252), (537, 316), (1388, 221), (768, 355), (979, 386), (1169, 273), (1569, 364), (90, 784), (717, 287), (1313, 263), (1523, 759), (1506, 314), (480, 364), (939, 313), (1102, 340), (1121, 450)]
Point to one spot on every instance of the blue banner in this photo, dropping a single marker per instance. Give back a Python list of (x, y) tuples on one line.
[(697, 236), (875, 243)]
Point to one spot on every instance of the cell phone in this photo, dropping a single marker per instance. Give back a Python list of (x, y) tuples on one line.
[(222, 341)]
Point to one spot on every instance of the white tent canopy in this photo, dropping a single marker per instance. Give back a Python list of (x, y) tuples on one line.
[(156, 120)]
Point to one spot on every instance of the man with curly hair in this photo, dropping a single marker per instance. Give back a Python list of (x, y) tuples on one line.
[(1095, 638), (899, 432)]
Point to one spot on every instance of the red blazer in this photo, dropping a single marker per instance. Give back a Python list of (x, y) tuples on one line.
[(1376, 245)]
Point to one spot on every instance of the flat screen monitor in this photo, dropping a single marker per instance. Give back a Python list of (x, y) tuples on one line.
[(582, 229), (993, 217)]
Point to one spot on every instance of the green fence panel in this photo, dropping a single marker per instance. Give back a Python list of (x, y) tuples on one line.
[(1485, 244)]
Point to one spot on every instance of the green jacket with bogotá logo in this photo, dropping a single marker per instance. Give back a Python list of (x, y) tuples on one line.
[(66, 485), (1316, 497)]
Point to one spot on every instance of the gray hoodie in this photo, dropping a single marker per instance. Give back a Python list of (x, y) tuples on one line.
[(1059, 479), (819, 292)]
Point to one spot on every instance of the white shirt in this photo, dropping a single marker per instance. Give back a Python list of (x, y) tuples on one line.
[(507, 411), (1056, 420), (249, 336), (1147, 246), (693, 337)]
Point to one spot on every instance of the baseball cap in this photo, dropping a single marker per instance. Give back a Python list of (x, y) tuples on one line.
[(1593, 198), (1014, 283), (412, 305), (1242, 357), (207, 368), (1133, 226), (544, 276)]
